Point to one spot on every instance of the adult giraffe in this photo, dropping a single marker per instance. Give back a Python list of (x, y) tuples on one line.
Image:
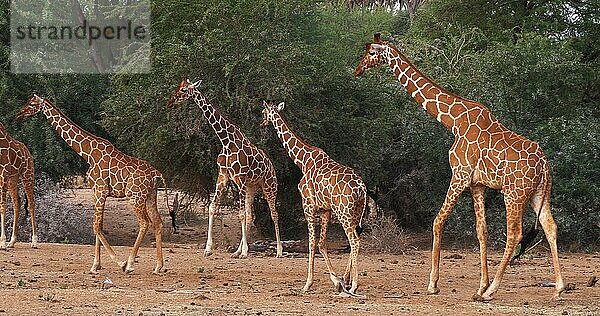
[(240, 161), (326, 186), (16, 164), (111, 173), (484, 154)]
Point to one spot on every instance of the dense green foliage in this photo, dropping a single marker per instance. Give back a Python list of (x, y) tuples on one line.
[(535, 64)]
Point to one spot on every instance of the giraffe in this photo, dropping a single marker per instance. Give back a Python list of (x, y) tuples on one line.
[(241, 162), (16, 164), (484, 154), (326, 186), (111, 174)]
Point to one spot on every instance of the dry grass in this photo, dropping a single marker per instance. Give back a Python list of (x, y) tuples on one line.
[(383, 235)]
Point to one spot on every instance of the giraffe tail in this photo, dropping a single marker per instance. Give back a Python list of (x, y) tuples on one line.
[(367, 209), (172, 211), (533, 231)]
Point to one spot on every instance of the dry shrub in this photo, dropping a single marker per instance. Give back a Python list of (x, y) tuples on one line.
[(57, 221), (383, 235)]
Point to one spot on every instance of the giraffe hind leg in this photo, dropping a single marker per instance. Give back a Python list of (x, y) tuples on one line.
[(478, 194), (13, 190), (242, 250), (514, 215), (139, 208), (30, 207), (551, 231), (157, 223), (270, 195), (2, 216)]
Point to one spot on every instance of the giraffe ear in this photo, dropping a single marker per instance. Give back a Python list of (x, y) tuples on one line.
[(280, 106), (264, 103), (195, 84), (377, 38)]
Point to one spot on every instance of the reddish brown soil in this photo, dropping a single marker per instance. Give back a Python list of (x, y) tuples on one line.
[(55, 280)]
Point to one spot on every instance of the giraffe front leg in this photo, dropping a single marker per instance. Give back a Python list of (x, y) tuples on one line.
[(457, 186), (213, 210), (13, 190), (309, 214), (242, 250), (98, 222)]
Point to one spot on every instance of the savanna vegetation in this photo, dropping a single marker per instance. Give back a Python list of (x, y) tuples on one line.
[(535, 64)]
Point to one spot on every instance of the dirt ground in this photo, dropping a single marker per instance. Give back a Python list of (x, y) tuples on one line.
[(54, 279)]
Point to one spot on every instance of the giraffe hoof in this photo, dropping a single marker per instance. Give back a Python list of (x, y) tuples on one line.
[(433, 291), (35, 245), (207, 253), (481, 298), (94, 269)]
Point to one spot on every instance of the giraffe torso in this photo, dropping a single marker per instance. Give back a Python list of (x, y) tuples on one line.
[(15, 160), (330, 185), (122, 175)]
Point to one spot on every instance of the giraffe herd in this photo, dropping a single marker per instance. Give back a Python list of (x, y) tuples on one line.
[(484, 154)]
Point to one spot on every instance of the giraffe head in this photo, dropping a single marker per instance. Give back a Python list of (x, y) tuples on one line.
[(32, 107), (269, 111), (184, 91), (374, 55)]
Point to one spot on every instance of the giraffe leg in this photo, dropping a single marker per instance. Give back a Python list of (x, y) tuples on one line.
[(249, 208), (270, 195), (242, 251), (309, 213), (478, 193), (13, 190), (454, 191), (157, 223), (97, 264), (514, 216), (550, 229), (98, 215), (337, 283), (139, 208), (28, 187), (2, 216), (354, 240), (213, 209)]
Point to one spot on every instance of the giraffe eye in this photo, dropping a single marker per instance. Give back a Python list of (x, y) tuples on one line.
[(183, 89), (371, 54)]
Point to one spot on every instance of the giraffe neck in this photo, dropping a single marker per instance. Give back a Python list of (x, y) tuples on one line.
[(222, 126), (445, 107), (77, 138), (297, 149)]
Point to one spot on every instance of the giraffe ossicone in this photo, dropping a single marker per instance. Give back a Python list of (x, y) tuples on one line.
[(111, 174), (240, 162), (16, 165), (484, 154), (326, 187)]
